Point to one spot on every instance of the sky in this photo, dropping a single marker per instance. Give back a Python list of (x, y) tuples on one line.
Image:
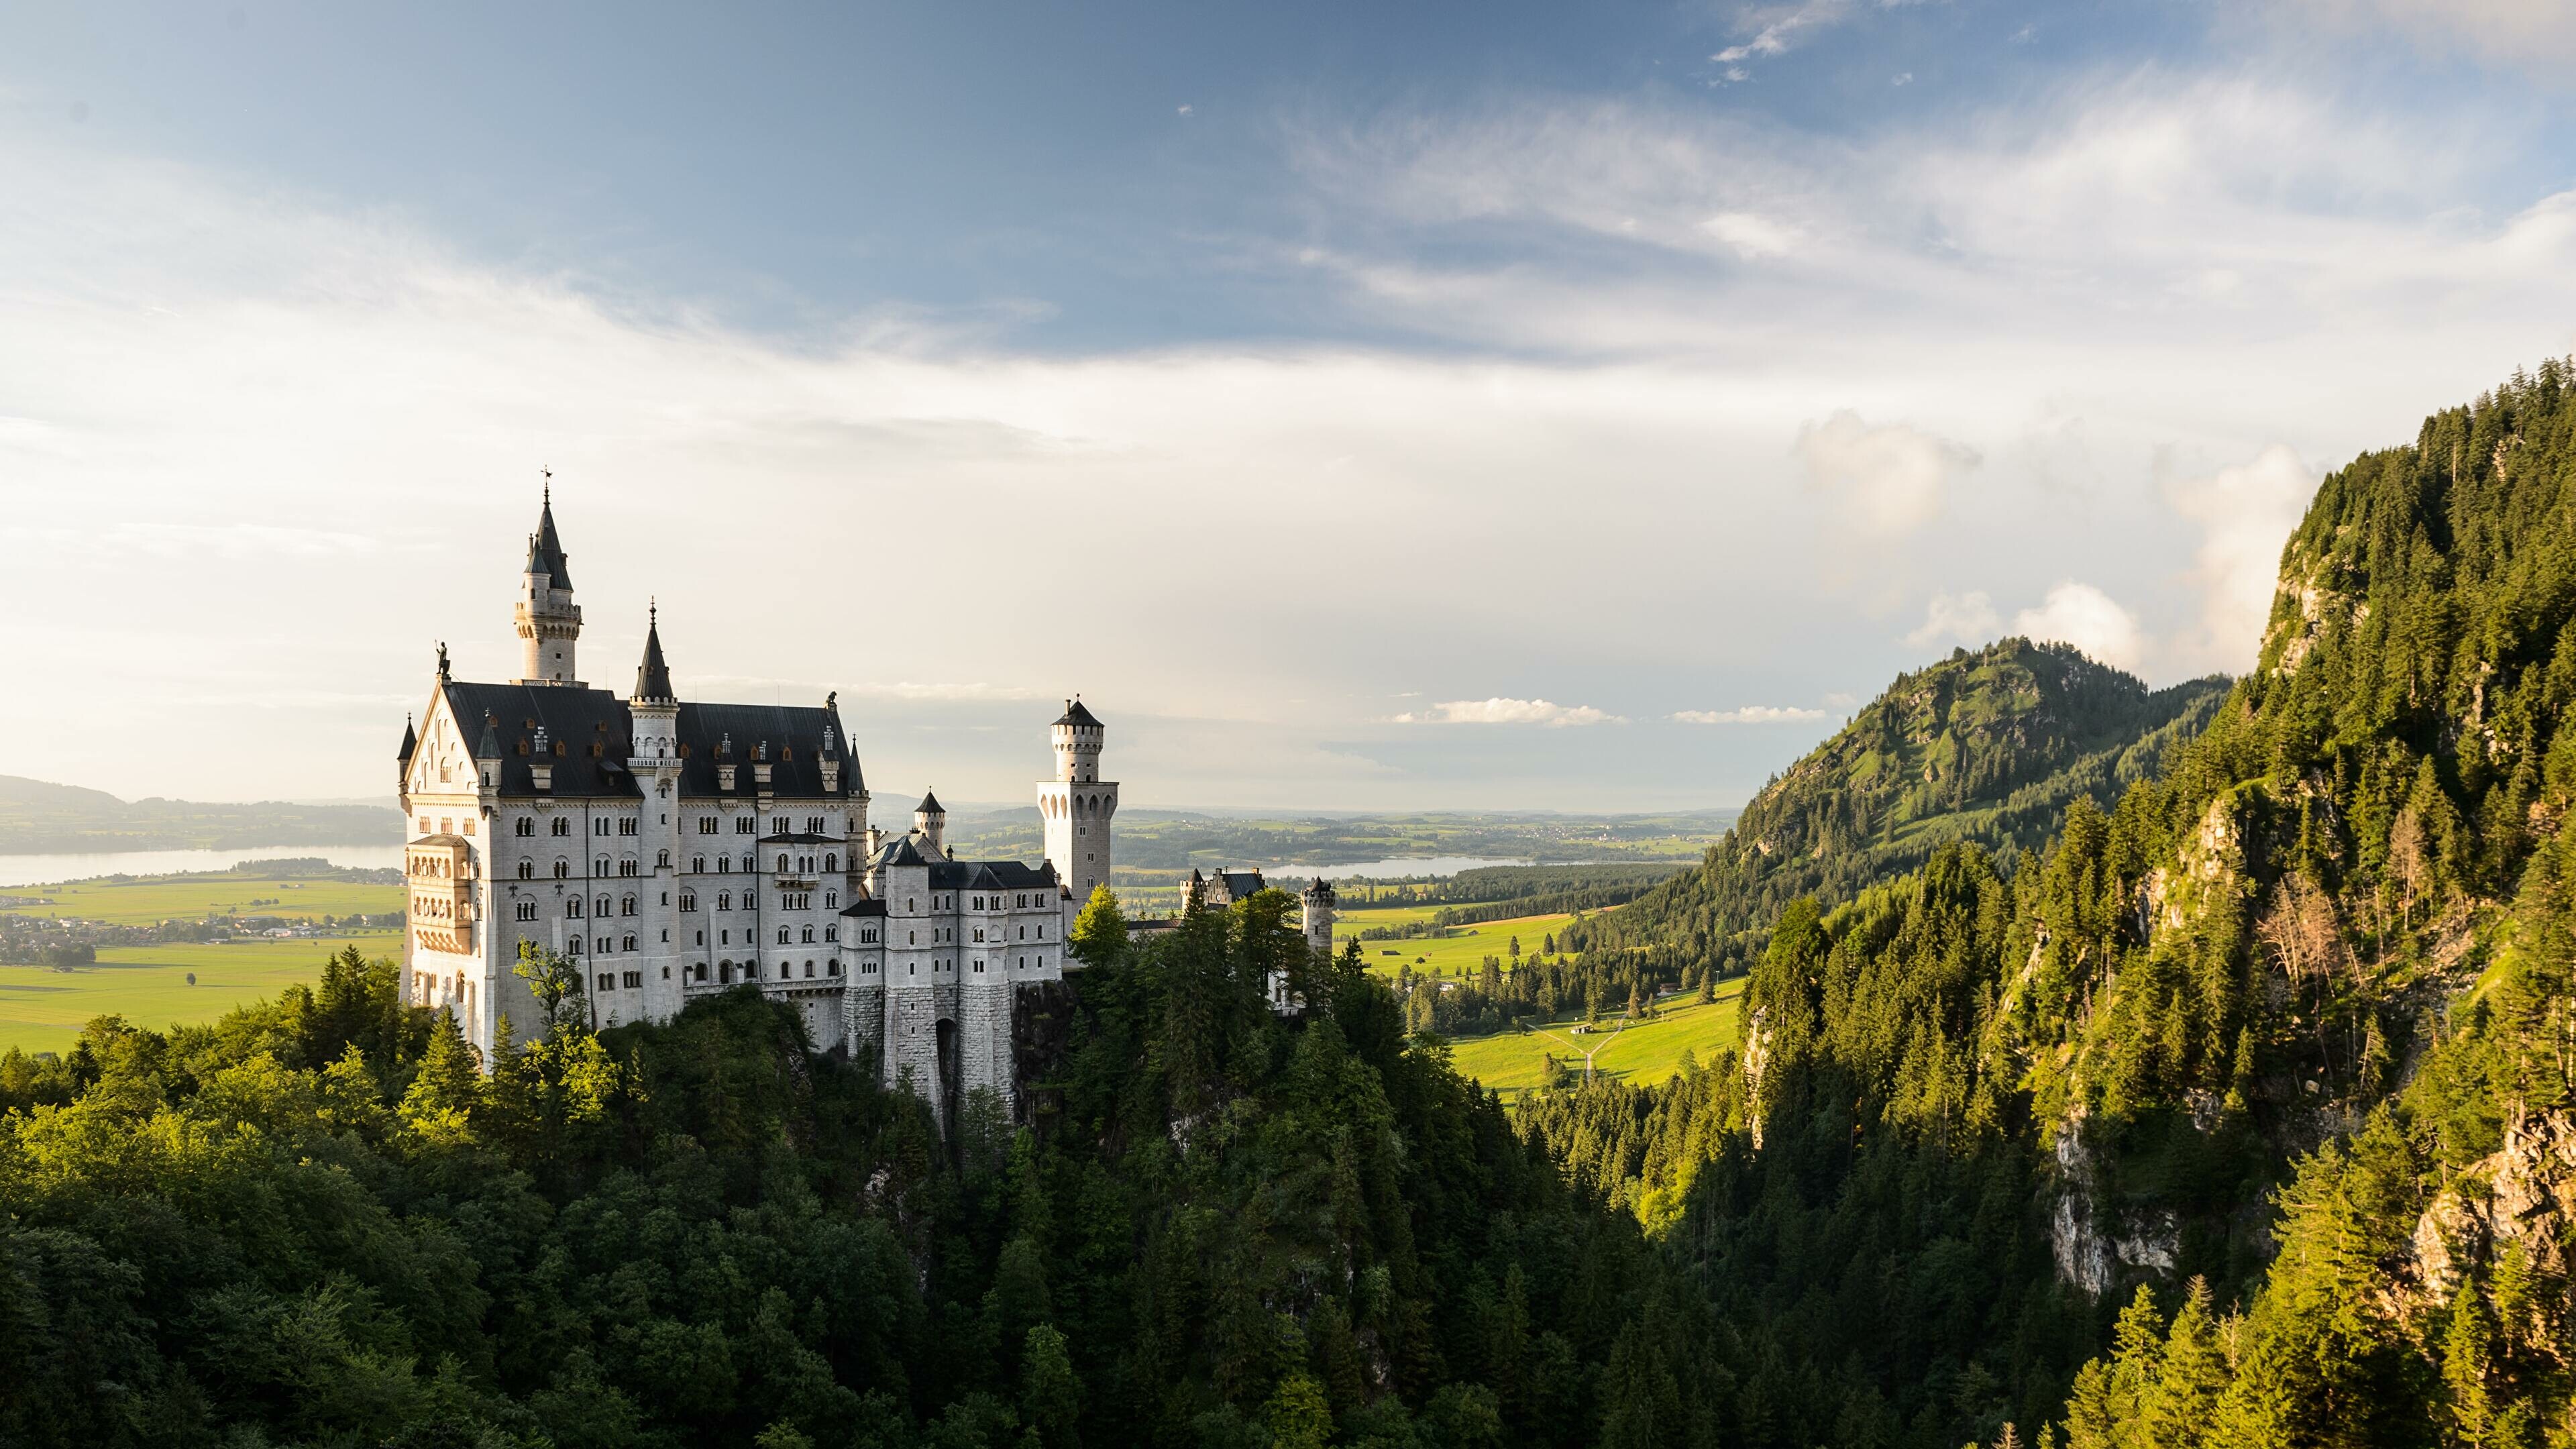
[(1364, 407)]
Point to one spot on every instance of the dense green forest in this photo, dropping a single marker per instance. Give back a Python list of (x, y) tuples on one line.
[(2274, 1056), (1988, 747), (316, 1222)]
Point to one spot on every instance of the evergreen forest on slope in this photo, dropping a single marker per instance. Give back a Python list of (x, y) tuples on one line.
[(2231, 1102), (1988, 747)]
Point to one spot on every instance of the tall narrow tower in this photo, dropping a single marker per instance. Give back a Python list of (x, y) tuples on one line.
[(549, 622), (653, 758), (1077, 804)]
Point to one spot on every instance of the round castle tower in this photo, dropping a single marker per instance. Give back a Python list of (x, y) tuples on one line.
[(1317, 903), (1077, 804)]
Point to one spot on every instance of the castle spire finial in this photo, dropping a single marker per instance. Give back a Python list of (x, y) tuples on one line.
[(548, 487)]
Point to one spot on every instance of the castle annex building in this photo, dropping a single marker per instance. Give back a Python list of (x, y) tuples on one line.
[(674, 848)]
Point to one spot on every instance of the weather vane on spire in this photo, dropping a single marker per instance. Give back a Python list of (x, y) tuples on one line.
[(549, 485)]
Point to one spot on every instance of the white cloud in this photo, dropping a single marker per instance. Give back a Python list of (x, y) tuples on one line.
[(2245, 514), (1749, 714), (1967, 618), (1884, 481), (2529, 32), (1752, 235), (2089, 619), (1509, 711)]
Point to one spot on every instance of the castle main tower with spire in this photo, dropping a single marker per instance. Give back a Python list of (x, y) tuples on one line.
[(1077, 804), (548, 621), (669, 850)]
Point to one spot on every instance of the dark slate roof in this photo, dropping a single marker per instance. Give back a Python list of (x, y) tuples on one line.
[(546, 549), (864, 908), (653, 677), (929, 805), (489, 746), (991, 875), (1075, 714), (579, 718), (411, 742), (789, 730), (900, 851), (572, 718), (1242, 884)]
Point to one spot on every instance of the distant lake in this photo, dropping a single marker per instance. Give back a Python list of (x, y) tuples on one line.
[(25, 870), (1381, 869)]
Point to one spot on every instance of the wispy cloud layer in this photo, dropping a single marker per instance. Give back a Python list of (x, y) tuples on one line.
[(1749, 714), (1509, 712)]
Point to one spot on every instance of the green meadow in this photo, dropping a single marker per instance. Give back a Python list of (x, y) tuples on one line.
[(1640, 1053), (144, 900), (1460, 953), (43, 1008)]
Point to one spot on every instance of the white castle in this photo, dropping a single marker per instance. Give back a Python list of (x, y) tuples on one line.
[(674, 850)]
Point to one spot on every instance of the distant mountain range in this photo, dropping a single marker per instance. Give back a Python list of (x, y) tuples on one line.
[(37, 818)]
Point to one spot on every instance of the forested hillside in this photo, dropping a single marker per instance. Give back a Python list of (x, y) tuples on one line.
[(2278, 1052), (315, 1223), (1988, 747), (37, 818)]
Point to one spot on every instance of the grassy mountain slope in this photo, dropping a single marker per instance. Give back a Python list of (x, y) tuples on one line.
[(1986, 747)]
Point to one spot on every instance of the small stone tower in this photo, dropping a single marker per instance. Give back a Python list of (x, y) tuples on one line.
[(548, 621), (1077, 804), (1317, 901), (930, 818)]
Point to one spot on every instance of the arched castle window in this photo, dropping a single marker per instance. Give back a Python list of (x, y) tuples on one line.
[(563, 869), (600, 866), (563, 825), (665, 860), (831, 863), (572, 908), (600, 906), (724, 900), (782, 865), (831, 900), (626, 907), (782, 935), (527, 826), (527, 870)]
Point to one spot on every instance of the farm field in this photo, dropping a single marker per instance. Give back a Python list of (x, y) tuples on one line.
[(147, 899), (1640, 1054), (1462, 951), (44, 1009)]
